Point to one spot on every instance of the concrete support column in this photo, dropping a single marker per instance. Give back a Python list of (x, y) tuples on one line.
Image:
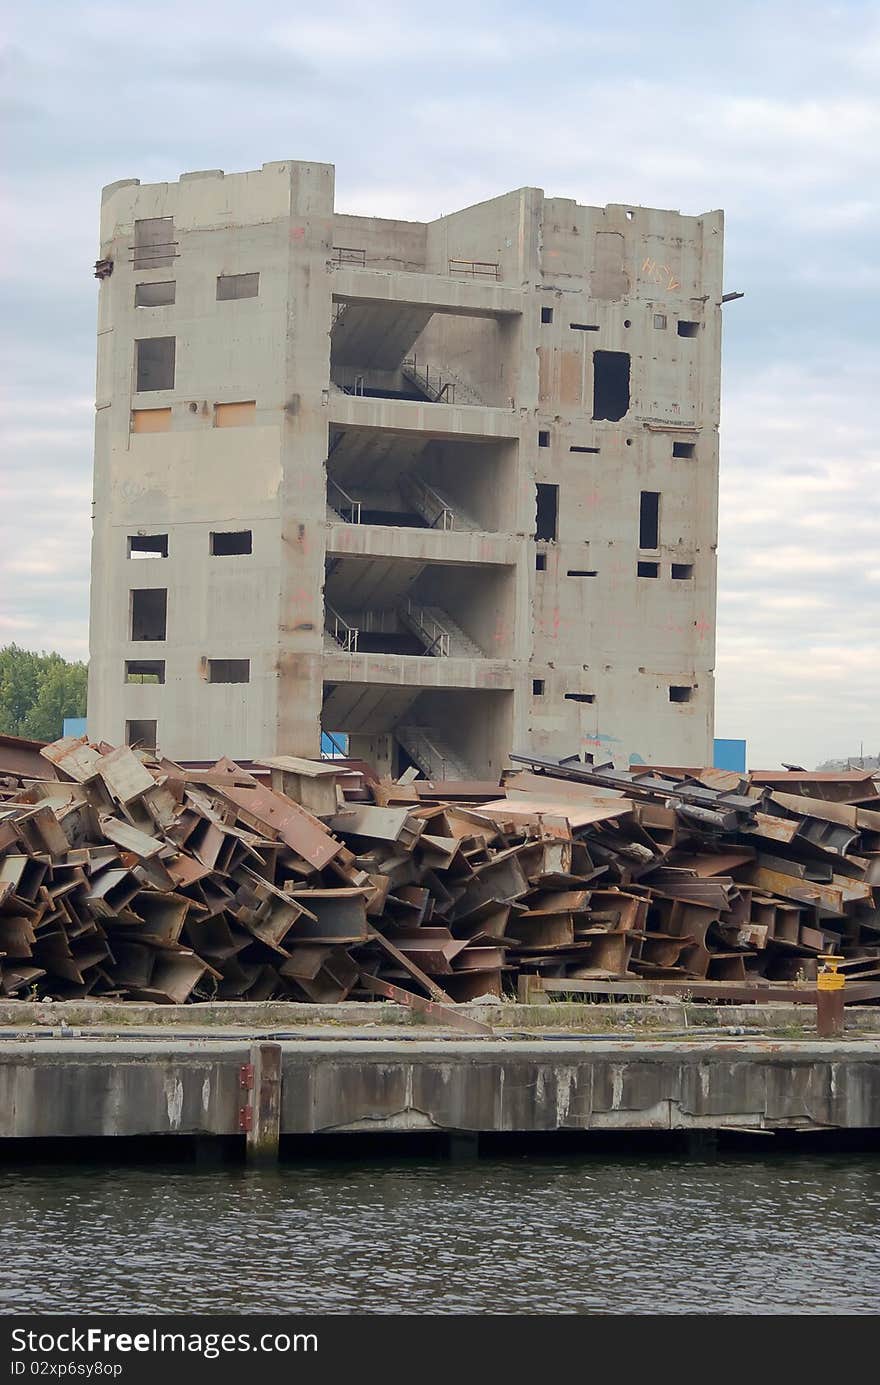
[(263, 1135)]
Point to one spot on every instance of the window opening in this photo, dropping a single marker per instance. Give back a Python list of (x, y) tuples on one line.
[(649, 519), (231, 542), (229, 670), (155, 295), (237, 286), (610, 384), (148, 545), (547, 511), (145, 670), (149, 610), (154, 364)]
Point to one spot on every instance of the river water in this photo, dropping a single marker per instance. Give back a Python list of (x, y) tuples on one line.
[(552, 1234)]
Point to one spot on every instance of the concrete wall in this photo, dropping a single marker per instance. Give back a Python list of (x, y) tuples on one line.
[(72, 1087), (630, 273)]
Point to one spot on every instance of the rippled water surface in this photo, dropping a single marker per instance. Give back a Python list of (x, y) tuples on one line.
[(536, 1235)]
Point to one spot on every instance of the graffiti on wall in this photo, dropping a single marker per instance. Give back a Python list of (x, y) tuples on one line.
[(660, 274)]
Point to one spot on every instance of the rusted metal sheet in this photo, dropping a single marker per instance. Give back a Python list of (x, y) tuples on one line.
[(437, 1014), (126, 876)]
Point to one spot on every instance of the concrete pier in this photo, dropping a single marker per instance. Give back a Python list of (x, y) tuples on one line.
[(100, 1086)]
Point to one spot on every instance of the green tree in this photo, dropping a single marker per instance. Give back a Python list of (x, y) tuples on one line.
[(37, 691)]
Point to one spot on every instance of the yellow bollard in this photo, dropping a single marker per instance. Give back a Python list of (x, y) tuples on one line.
[(829, 997)]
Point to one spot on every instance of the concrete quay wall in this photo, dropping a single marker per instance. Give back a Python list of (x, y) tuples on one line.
[(139, 1087)]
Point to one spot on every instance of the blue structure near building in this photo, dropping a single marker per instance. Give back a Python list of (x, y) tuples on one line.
[(74, 726), (730, 755), (334, 745)]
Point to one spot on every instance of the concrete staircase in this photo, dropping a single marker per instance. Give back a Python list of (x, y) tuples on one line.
[(442, 637), (435, 509), (433, 755), (438, 384)]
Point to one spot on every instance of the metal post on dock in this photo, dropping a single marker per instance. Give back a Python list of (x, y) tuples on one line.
[(260, 1114), (829, 998)]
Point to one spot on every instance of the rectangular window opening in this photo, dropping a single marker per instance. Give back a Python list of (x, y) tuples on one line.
[(648, 569), (547, 511), (583, 449), (148, 545), (680, 693), (688, 329), (684, 449), (610, 385), (154, 243), (649, 519), (584, 326), (155, 295), (145, 670), (543, 437), (151, 420), (682, 572), (540, 562), (141, 734), (154, 363), (229, 670), (537, 687), (149, 608), (581, 572), (240, 414), (546, 314), (237, 286), (230, 542), (660, 322), (580, 697)]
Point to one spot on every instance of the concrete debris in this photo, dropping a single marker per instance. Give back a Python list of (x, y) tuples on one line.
[(125, 876)]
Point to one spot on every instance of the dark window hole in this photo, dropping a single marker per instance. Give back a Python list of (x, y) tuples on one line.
[(229, 542), (547, 517), (649, 519), (610, 385), (148, 545)]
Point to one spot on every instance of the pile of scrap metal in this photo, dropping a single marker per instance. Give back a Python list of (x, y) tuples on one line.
[(126, 876)]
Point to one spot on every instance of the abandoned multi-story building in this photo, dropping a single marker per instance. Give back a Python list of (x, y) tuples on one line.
[(446, 488)]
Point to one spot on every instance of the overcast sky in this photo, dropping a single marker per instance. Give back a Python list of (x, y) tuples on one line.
[(768, 110)]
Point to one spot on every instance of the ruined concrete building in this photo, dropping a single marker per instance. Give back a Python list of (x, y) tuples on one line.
[(447, 488)]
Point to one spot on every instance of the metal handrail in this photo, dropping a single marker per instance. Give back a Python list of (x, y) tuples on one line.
[(476, 269), (346, 254), (338, 747), (430, 628), (339, 628), (349, 503), (418, 490), (418, 743), (154, 250), (357, 388), (443, 389)]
